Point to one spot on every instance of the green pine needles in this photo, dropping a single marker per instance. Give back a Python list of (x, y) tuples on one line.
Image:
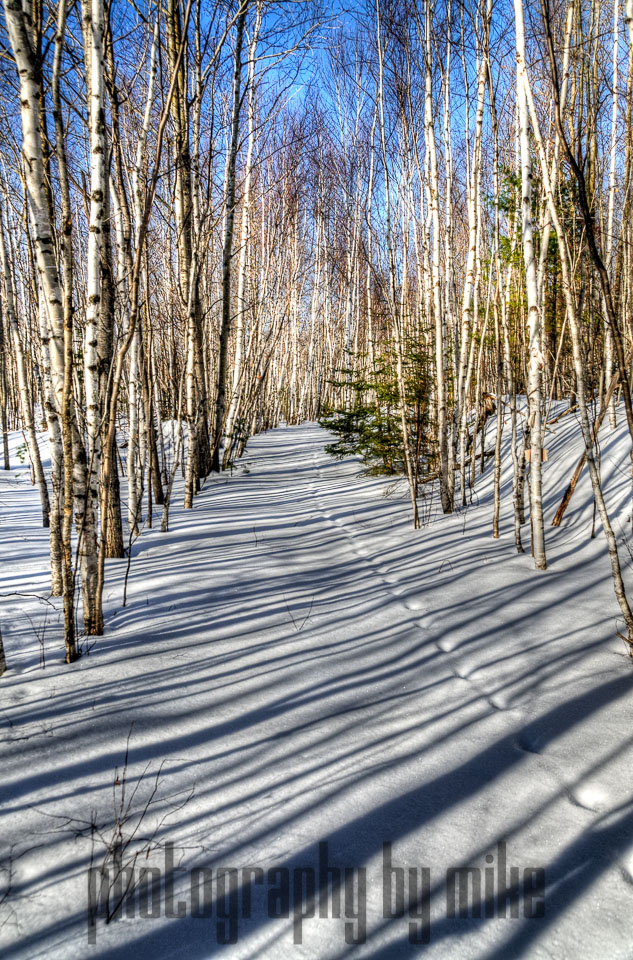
[(368, 421)]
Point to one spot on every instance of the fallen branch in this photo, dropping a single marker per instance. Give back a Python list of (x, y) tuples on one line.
[(561, 415), (560, 513)]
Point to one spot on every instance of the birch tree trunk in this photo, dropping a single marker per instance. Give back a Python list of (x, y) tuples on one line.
[(608, 367), (4, 399), (446, 478), (42, 235), (67, 410), (393, 298), (534, 312), (228, 241), (93, 38), (469, 301), (244, 243)]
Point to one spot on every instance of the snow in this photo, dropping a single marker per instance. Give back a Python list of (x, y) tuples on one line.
[(306, 667)]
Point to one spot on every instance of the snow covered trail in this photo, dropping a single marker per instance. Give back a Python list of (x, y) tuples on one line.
[(308, 669)]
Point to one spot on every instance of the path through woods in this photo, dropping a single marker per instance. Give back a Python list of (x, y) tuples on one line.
[(316, 673)]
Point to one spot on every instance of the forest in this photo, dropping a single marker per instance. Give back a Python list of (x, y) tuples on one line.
[(263, 257), (225, 218)]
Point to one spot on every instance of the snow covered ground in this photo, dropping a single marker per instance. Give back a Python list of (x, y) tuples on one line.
[(296, 666)]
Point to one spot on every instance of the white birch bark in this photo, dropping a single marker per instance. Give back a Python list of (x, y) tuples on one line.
[(469, 300), (242, 303), (609, 346), (446, 479), (534, 312), (135, 462), (220, 400), (98, 186)]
